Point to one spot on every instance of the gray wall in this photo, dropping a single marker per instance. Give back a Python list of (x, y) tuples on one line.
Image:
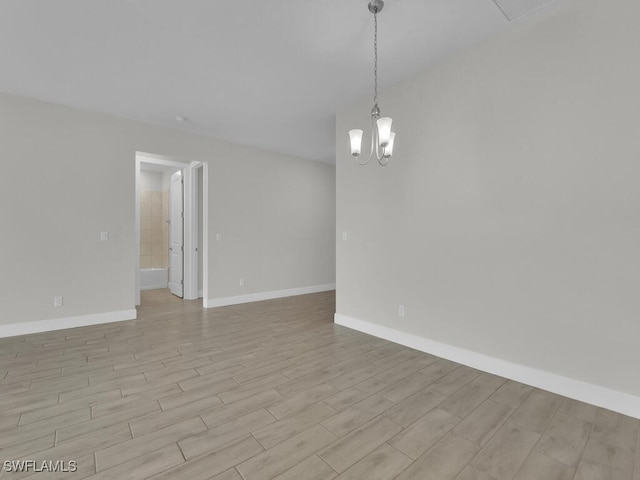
[(67, 175), (277, 220), (507, 223)]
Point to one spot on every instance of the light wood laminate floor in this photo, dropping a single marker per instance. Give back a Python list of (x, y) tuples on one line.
[(275, 390)]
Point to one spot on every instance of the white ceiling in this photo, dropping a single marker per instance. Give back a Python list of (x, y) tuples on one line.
[(266, 74)]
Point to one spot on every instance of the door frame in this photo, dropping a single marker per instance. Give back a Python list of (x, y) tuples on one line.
[(191, 235), (191, 264)]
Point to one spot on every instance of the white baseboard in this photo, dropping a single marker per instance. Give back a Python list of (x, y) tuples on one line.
[(14, 329), (199, 293), (155, 287), (617, 401), (257, 297)]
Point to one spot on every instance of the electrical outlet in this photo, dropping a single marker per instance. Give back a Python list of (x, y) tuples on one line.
[(104, 236), (218, 237), (401, 310), (241, 283), (57, 301), (345, 235)]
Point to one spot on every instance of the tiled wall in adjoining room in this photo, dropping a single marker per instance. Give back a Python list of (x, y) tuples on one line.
[(154, 227)]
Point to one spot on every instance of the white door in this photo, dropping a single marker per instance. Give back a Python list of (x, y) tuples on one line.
[(176, 235)]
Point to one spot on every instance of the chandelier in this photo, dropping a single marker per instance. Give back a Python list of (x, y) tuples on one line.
[(382, 137)]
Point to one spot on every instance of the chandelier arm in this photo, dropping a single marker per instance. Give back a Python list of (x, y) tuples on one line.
[(371, 150), (374, 137), (365, 162), (379, 150)]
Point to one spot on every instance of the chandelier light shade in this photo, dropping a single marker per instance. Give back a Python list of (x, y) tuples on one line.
[(384, 130), (355, 137), (382, 138)]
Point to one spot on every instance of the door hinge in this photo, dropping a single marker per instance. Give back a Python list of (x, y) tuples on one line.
[(181, 282)]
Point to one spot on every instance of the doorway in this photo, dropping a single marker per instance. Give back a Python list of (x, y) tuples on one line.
[(171, 231)]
